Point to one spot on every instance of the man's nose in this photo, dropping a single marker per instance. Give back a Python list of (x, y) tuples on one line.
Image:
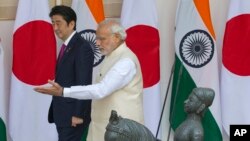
[(55, 27)]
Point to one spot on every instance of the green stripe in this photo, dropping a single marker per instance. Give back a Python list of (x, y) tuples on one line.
[(85, 134), (180, 93), (2, 131)]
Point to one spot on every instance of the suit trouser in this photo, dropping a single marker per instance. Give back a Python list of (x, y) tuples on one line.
[(70, 133)]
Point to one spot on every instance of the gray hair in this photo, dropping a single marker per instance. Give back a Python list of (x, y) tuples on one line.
[(115, 28)]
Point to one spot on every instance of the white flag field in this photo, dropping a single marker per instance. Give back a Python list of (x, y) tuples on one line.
[(139, 17), (235, 73), (34, 61)]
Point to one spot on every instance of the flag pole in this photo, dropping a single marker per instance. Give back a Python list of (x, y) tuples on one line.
[(165, 99)]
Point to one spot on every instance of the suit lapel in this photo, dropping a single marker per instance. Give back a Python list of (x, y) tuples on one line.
[(72, 43)]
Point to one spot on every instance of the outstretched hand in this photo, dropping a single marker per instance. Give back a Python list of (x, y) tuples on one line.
[(55, 89)]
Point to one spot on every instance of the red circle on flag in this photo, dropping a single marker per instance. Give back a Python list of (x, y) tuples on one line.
[(34, 53), (144, 41), (236, 45)]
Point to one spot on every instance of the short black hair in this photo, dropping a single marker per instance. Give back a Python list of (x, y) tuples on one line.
[(66, 12)]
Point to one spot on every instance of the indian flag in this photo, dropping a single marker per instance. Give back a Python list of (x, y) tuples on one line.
[(34, 60), (139, 17), (3, 97), (235, 72), (89, 14), (196, 64)]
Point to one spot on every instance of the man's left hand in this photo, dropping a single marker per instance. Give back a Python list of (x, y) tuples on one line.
[(55, 89), (76, 121)]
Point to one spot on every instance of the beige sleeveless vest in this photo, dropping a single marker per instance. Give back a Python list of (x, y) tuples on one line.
[(128, 101)]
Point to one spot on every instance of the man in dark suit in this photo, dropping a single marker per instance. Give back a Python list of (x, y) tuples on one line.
[(74, 67)]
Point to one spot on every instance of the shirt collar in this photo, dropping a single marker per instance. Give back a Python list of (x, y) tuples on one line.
[(69, 38)]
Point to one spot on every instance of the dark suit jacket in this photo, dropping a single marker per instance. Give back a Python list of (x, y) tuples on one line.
[(75, 68)]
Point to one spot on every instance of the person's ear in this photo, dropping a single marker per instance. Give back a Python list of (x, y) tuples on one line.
[(201, 108), (72, 24), (117, 37)]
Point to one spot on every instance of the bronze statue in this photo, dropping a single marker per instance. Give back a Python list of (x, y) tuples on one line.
[(195, 106), (123, 129)]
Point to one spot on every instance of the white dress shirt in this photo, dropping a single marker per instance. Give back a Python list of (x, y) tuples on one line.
[(117, 77), (66, 42)]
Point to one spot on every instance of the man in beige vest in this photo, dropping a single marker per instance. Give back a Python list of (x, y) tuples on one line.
[(119, 85)]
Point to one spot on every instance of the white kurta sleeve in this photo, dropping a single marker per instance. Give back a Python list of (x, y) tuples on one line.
[(117, 77)]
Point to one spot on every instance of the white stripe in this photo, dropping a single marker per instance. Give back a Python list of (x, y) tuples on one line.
[(235, 103), (28, 111), (30, 10), (152, 107), (139, 12), (238, 7), (3, 93)]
